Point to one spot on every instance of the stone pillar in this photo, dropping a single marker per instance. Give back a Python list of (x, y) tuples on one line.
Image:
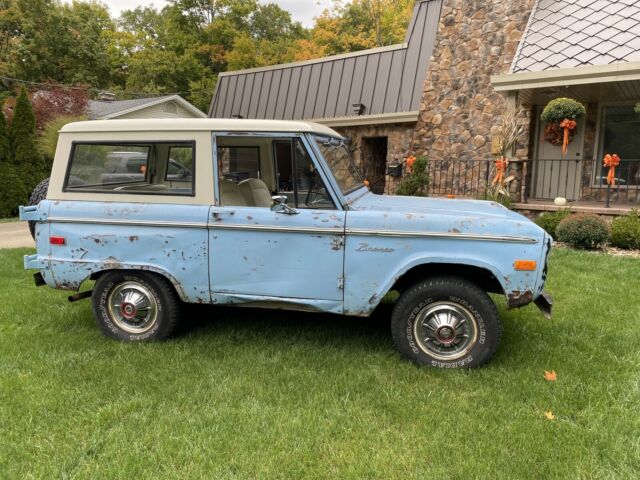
[(460, 110)]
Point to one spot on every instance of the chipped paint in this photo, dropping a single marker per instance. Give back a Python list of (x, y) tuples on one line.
[(254, 256)]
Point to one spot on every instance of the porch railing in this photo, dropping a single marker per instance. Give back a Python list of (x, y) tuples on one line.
[(582, 179), (446, 177), (541, 179)]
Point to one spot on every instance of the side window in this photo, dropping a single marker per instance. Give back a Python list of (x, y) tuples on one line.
[(298, 179), (238, 163), (180, 164), (158, 168)]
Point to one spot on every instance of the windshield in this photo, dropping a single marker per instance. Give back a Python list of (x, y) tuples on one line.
[(337, 156)]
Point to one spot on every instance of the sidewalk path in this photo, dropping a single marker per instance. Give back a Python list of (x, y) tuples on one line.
[(14, 235)]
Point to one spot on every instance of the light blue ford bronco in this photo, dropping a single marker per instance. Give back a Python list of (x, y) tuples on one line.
[(272, 214)]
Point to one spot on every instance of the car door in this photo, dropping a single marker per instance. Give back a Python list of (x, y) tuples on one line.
[(262, 254)]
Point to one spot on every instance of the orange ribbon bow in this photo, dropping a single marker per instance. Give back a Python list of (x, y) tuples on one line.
[(568, 126), (410, 161), (611, 161), (501, 169)]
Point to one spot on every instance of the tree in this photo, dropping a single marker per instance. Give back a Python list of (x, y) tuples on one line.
[(12, 190), (358, 25), (54, 101), (5, 142), (25, 156), (66, 43)]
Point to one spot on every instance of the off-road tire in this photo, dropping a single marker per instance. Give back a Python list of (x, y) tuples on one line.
[(161, 293), (39, 193), (408, 319)]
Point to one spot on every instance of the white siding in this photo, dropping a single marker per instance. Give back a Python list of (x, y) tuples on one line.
[(158, 111)]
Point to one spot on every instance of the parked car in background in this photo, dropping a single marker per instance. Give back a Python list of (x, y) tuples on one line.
[(273, 214)]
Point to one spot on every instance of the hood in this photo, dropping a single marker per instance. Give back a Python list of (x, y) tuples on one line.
[(447, 215), (426, 205)]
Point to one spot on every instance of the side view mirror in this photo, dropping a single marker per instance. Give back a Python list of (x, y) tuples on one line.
[(280, 205)]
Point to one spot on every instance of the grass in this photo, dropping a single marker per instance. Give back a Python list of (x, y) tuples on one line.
[(9, 220), (257, 394)]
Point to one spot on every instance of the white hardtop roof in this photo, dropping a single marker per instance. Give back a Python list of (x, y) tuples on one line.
[(198, 124)]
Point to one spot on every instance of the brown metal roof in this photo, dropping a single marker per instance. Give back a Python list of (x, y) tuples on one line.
[(384, 80), (575, 33)]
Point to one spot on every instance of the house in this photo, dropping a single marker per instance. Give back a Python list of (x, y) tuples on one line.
[(443, 94), (169, 106)]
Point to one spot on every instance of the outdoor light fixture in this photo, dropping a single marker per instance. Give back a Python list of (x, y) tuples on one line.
[(358, 109)]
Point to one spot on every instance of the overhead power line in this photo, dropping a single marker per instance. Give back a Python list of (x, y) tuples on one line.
[(72, 87)]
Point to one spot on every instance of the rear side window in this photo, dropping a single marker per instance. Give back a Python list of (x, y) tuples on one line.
[(158, 168)]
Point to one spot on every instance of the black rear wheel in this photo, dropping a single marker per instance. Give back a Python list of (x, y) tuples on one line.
[(135, 306), (39, 193)]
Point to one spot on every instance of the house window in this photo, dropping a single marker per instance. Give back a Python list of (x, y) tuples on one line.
[(619, 134)]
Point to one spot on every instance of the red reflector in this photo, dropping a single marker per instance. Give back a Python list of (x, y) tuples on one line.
[(57, 240)]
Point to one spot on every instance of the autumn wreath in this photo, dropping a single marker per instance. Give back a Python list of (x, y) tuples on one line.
[(561, 116)]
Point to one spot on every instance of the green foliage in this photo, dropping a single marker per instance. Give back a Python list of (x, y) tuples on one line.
[(349, 26), (12, 191), (59, 41), (560, 108), (26, 159), (498, 197), (549, 220), (625, 231), (583, 230), (637, 109), (416, 184), (48, 139), (5, 140), (202, 92)]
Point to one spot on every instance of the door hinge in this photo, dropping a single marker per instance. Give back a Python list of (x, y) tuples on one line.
[(340, 282)]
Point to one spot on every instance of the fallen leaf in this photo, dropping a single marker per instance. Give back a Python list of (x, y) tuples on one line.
[(549, 415), (550, 376)]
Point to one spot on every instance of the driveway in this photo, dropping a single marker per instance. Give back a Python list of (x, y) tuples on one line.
[(15, 234)]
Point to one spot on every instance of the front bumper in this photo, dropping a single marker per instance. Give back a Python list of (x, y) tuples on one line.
[(545, 303)]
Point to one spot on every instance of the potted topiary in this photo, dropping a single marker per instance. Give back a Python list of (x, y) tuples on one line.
[(561, 116)]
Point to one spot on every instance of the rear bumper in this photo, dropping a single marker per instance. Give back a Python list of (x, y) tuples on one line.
[(545, 303)]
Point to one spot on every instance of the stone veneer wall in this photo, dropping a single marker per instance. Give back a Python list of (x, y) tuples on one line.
[(460, 111), (398, 142)]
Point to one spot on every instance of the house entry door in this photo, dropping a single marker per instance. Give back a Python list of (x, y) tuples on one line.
[(557, 175)]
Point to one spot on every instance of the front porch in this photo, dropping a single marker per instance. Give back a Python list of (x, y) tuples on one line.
[(534, 207), (611, 126), (537, 184)]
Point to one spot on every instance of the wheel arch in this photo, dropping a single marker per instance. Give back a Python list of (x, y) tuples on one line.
[(481, 274), (141, 268)]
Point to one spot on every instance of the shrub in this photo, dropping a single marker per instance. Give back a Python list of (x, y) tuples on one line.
[(28, 162), (504, 200), (583, 230), (48, 140), (560, 108), (625, 231), (12, 191), (550, 220), (416, 184)]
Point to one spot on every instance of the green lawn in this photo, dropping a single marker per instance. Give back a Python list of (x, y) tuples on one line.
[(259, 394)]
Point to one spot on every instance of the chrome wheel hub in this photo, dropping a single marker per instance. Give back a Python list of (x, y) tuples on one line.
[(445, 330), (132, 307)]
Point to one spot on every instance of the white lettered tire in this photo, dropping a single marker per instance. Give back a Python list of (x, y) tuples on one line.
[(446, 322), (135, 306)]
